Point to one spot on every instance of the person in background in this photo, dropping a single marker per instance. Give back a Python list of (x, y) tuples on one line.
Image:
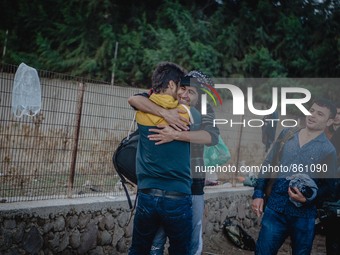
[(307, 147), (330, 131), (332, 223), (269, 130)]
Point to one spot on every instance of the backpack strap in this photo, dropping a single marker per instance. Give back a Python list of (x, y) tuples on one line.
[(124, 182), (132, 210), (189, 113), (277, 156), (122, 178), (281, 142), (131, 125)]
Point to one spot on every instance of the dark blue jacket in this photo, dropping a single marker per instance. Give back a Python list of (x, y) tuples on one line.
[(317, 153)]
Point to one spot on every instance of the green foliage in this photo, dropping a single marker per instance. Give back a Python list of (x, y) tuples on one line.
[(260, 63), (231, 38)]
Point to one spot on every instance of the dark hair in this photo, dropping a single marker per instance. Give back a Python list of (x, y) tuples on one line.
[(164, 73), (196, 79), (328, 104), (337, 104), (199, 80)]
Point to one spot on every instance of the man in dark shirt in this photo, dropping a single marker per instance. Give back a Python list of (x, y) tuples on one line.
[(163, 174), (269, 130), (201, 132), (308, 148), (332, 224), (330, 131)]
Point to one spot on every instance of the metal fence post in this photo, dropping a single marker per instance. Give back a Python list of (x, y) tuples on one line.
[(79, 109), (238, 152)]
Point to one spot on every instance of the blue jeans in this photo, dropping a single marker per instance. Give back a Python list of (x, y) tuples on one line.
[(197, 217), (196, 238), (158, 243), (173, 214), (276, 227)]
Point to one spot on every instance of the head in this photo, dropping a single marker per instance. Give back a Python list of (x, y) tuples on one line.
[(336, 123), (189, 91), (322, 115), (166, 77)]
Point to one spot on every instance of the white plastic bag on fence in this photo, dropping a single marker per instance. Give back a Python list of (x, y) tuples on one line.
[(26, 94)]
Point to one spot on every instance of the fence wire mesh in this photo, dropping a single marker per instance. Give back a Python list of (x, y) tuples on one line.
[(66, 150)]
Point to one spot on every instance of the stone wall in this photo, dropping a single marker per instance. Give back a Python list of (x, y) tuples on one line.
[(99, 225), (231, 202)]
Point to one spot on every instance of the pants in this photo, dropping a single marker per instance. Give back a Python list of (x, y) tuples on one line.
[(197, 217), (276, 227), (173, 214), (332, 228), (196, 245)]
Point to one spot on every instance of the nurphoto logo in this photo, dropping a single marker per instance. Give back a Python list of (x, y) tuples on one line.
[(294, 96)]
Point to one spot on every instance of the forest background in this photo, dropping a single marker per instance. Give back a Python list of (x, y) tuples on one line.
[(224, 38)]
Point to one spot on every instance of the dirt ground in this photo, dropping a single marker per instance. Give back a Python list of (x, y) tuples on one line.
[(218, 244)]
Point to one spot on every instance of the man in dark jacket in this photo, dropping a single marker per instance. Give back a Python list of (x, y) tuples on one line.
[(332, 224), (307, 149)]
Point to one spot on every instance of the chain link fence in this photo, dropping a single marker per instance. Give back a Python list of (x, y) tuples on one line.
[(66, 149)]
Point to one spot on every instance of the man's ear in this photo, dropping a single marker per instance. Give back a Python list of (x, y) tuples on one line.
[(172, 85), (330, 122)]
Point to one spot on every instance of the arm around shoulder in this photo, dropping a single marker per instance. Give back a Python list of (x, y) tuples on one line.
[(142, 103)]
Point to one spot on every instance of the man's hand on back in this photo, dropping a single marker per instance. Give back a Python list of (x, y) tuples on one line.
[(164, 135), (175, 120)]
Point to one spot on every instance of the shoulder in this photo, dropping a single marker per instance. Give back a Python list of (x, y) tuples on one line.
[(209, 115), (210, 110), (284, 132), (328, 143), (143, 94), (196, 115), (325, 145)]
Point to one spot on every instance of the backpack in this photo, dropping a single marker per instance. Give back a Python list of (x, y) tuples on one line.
[(124, 157), (332, 209), (238, 236), (124, 161)]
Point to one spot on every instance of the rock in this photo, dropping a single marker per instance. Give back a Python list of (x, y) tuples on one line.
[(84, 219), (59, 224), (88, 240), (9, 224), (53, 240), (18, 233), (122, 246), (47, 227), (64, 242), (75, 239), (118, 234), (241, 211), (123, 219), (97, 251), (33, 241), (72, 222), (104, 238)]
